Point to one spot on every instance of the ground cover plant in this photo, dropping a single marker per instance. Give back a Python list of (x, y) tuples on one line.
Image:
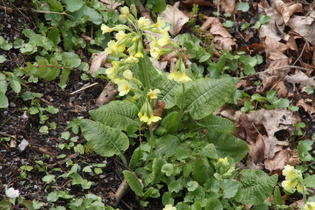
[(202, 110)]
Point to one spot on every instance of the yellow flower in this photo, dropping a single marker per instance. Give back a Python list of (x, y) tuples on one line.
[(110, 72), (127, 74), (139, 55), (178, 76), (125, 11), (299, 188), (169, 207), (106, 29), (224, 161), (131, 59), (120, 36), (288, 185), (289, 172), (123, 86), (143, 22), (113, 47), (153, 93), (146, 119), (156, 52), (159, 24), (309, 206), (163, 41)]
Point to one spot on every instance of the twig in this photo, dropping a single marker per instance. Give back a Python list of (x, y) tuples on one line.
[(50, 12), (84, 87), (6, 9), (277, 68), (300, 54), (5, 134)]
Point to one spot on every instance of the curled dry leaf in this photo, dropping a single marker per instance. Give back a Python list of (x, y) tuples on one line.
[(227, 6), (279, 161), (160, 65), (111, 4), (287, 10), (98, 60), (301, 78), (274, 28), (258, 128), (175, 17), (222, 38), (305, 26), (107, 95)]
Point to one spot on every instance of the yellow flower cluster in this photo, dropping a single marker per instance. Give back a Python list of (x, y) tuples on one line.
[(309, 206), (146, 114), (169, 207), (179, 74), (293, 179)]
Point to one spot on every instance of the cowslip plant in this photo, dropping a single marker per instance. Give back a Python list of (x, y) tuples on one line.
[(185, 154), (294, 181)]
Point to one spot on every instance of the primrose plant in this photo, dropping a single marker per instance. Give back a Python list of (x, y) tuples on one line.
[(185, 154)]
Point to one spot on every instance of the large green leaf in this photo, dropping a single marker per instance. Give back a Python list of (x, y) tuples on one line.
[(169, 89), (228, 145), (204, 96), (216, 123), (116, 114), (203, 170), (256, 186), (104, 140), (133, 182), (156, 169)]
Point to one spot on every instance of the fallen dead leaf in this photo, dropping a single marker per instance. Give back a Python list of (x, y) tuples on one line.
[(287, 10), (111, 4), (175, 17), (279, 161), (223, 40), (301, 78), (98, 60), (108, 94), (227, 6), (305, 26)]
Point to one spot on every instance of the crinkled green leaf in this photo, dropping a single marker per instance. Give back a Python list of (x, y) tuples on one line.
[(116, 114), (256, 186), (104, 140), (204, 96), (156, 169), (166, 145), (133, 182), (217, 123), (228, 145)]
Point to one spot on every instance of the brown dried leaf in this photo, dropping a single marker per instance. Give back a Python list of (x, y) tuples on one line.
[(108, 94), (223, 39), (175, 17), (160, 65), (287, 10), (279, 161), (111, 4), (301, 78), (305, 26), (227, 6), (310, 108), (98, 60)]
